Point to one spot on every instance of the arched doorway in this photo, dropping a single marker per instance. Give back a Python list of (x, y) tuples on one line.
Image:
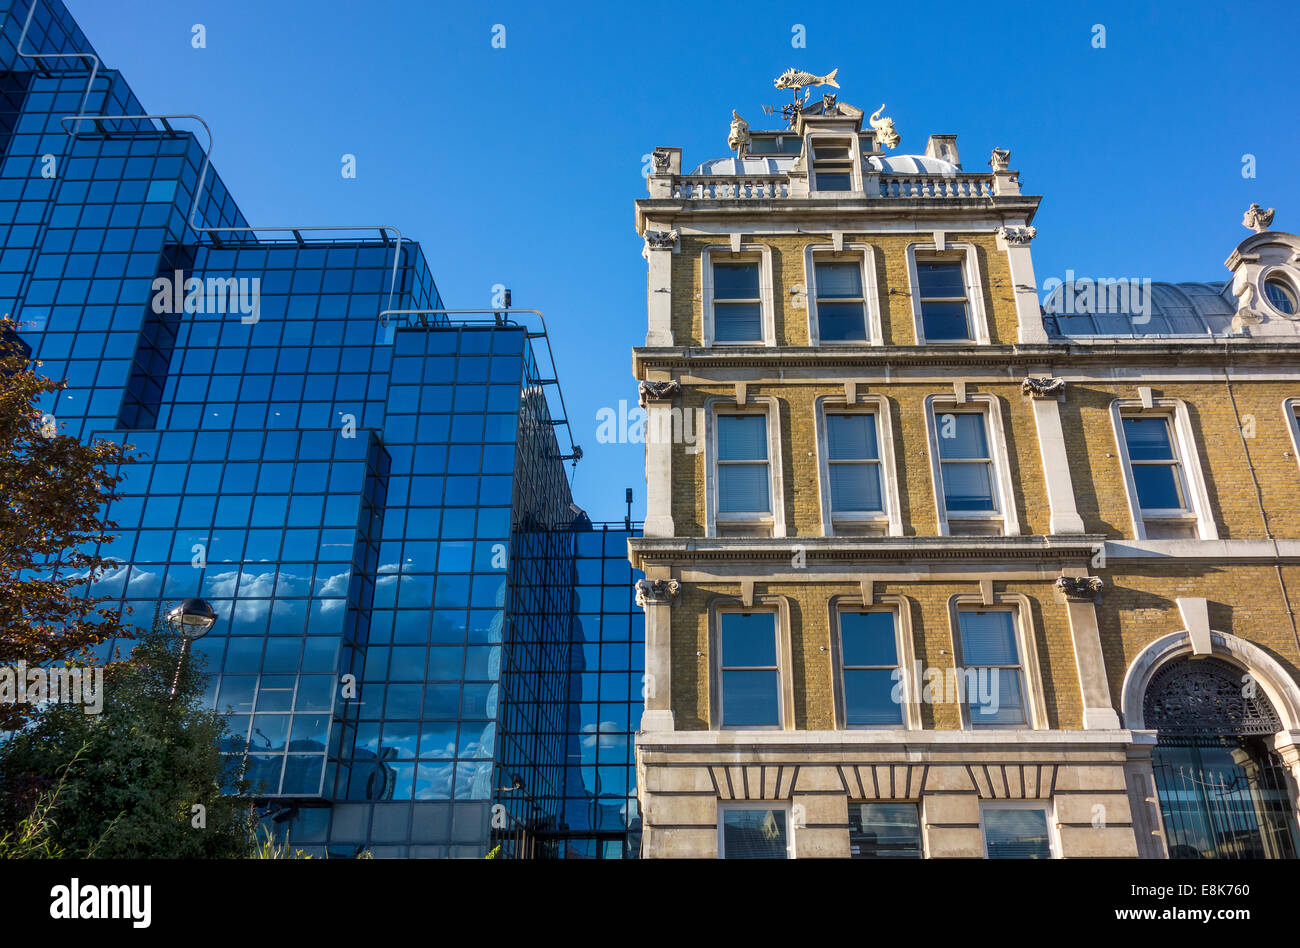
[(1223, 791)]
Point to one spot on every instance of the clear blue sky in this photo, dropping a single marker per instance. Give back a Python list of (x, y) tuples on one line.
[(520, 165)]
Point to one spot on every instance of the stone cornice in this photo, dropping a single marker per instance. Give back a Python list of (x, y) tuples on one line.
[(853, 551), (1010, 741), (1216, 551), (1186, 352)]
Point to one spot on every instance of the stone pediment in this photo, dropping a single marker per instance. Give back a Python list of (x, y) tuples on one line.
[(819, 105)]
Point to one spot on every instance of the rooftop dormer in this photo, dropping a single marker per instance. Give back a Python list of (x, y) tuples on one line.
[(828, 149)]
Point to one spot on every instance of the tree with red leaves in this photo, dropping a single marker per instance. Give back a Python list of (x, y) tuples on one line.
[(53, 492)]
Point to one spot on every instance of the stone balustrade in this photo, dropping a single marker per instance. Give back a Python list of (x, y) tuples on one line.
[(756, 187)]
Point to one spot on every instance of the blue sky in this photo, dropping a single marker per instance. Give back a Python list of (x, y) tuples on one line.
[(520, 165)]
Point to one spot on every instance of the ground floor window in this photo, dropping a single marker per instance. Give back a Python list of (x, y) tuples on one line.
[(1019, 832), (753, 833), (884, 831)]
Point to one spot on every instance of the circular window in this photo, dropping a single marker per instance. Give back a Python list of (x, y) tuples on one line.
[(1280, 295)]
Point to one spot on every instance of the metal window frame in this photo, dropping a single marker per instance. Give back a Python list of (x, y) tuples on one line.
[(1049, 815), (730, 805)]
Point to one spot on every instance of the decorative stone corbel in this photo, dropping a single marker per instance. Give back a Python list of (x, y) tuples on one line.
[(1079, 588), (659, 391), (1042, 386), (661, 239), (656, 591), (1017, 236)]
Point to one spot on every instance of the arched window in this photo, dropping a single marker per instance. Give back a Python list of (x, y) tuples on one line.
[(1223, 792)]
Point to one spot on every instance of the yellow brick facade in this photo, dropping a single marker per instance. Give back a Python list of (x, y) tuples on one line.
[(889, 256), (1106, 599)]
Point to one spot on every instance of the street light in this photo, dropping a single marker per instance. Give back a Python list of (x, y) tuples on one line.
[(191, 620)]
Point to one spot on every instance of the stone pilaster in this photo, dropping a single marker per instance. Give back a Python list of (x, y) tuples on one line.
[(660, 244), (1144, 803), (655, 596), (657, 399), (1079, 592), (1045, 394), (1287, 744), (1015, 240)]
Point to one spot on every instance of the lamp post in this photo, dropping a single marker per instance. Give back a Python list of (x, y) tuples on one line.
[(190, 620)]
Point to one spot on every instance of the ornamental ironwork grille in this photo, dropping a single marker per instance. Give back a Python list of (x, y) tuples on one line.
[(1206, 698)]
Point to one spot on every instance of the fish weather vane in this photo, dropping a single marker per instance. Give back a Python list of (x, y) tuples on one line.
[(794, 79), (797, 80)]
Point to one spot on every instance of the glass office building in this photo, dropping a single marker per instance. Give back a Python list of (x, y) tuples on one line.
[(427, 648)]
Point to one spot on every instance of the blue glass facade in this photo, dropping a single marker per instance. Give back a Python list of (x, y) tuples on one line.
[(600, 818), (426, 650)]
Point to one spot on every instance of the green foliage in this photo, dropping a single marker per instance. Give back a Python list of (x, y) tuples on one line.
[(266, 846), (130, 779)]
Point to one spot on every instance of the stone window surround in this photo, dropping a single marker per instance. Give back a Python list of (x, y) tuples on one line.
[(991, 406), (1279, 274), (866, 254), (780, 607), (1030, 675), (1049, 811), (877, 405), (770, 407), (833, 137), (953, 250), (784, 807), (767, 307), (1291, 413), (901, 607), (1175, 409)]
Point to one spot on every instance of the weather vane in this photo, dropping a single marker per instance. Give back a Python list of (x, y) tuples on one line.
[(797, 81)]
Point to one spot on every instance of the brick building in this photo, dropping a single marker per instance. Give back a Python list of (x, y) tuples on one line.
[(935, 568)]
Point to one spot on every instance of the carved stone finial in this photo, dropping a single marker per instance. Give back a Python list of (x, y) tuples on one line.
[(1017, 235), (1042, 386), (660, 158), (1001, 160), (1257, 218), (884, 127), (659, 391), (1079, 587), (738, 137), (829, 105), (656, 591)]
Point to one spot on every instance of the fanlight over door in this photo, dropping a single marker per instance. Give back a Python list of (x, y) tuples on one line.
[(1223, 791)]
